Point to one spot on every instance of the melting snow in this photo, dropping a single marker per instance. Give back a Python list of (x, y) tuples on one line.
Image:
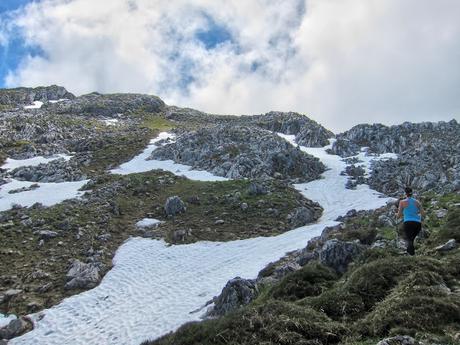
[(58, 100), (148, 223), (141, 164), (47, 194), (153, 288), (366, 159), (35, 105), (12, 164), (5, 319), (111, 122)]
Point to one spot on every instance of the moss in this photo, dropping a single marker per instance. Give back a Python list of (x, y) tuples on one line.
[(365, 234), (274, 323), (420, 302), (311, 280), (113, 206), (157, 122), (388, 233)]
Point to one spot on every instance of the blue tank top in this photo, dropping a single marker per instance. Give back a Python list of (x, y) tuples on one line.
[(411, 211)]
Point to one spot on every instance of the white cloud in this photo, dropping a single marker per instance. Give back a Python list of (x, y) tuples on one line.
[(342, 62)]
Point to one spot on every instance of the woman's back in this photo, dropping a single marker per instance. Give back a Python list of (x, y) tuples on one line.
[(411, 210)]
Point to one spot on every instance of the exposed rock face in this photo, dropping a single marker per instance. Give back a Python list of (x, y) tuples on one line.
[(302, 216), (308, 132), (338, 254), (58, 170), (236, 293), (174, 205), (241, 152), (16, 328), (429, 155), (24, 95), (99, 105), (82, 276)]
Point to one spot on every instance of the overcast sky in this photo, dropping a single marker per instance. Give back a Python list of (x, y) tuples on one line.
[(341, 62)]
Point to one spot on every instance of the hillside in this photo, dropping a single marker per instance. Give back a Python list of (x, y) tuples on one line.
[(153, 209)]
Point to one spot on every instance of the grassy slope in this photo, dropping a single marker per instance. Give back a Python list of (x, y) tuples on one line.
[(383, 293), (117, 203)]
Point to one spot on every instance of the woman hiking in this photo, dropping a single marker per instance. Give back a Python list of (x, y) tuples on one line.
[(411, 210)]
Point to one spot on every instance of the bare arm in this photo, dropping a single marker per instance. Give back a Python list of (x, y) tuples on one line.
[(420, 209), (400, 209)]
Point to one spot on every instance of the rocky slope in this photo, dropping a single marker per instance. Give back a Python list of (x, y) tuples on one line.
[(24, 96), (351, 285), (241, 152), (53, 252), (428, 155), (348, 286)]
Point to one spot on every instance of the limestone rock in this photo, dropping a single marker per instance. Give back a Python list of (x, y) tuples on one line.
[(236, 293), (301, 216), (338, 254), (16, 328), (174, 205), (82, 276), (399, 340), (241, 152), (449, 245)]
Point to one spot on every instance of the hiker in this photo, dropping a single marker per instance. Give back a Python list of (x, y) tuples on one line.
[(411, 210)]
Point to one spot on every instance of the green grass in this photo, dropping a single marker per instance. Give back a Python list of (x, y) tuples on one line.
[(158, 123), (383, 294), (115, 204)]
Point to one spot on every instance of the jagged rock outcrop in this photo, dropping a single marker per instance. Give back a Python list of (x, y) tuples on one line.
[(308, 132), (58, 170), (338, 254), (82, 276), (236, 293), (110, 105), (174, 205), (428, 155), (24, 95), (241, 152), (302, 216)]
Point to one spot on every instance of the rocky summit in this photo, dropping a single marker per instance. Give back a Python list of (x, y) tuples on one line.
[(185, 209)]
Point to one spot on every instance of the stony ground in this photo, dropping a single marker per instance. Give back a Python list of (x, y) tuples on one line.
[(42, 243), (353, 285)]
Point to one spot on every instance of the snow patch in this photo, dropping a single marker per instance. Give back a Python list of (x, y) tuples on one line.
[(11, 164), (5, 319), (111, 122), (35, 105), (47, 194), (148, 223), (58, 100), (153, 288), (140, 163), (367, 158)]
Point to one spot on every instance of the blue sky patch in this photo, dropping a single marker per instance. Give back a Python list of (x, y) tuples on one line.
[(10, 5), (16, 49), (214, 34)]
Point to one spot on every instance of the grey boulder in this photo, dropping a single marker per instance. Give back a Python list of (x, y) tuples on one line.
[(82, 276)]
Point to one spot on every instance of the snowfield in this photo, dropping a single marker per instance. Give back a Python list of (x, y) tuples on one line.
[(47, 194), (154, 288), (11, 164)]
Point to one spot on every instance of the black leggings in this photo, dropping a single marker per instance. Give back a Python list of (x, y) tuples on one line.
[(411, 230)]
